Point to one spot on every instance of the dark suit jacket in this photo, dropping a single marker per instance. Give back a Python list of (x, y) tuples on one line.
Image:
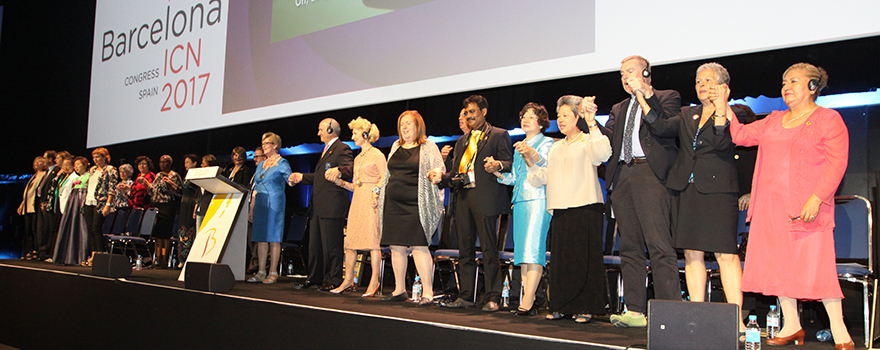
[(327, 199), (242, 177), (492, 196), (44, 185), (712, 163), (660, 151)]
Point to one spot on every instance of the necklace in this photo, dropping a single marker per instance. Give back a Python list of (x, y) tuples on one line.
[(800, 115), (573, 139)]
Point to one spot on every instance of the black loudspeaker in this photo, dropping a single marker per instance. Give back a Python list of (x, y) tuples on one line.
[(209, 277), (111, 265), (684, 325)]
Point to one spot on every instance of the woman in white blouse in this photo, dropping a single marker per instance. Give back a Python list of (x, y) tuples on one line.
[(574, 198)]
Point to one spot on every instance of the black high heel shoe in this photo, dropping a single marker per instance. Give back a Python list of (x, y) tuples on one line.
[(530, 312), (350, 288)]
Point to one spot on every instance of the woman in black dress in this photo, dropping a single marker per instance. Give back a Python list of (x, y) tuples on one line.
[(705, 187), (409, 205)]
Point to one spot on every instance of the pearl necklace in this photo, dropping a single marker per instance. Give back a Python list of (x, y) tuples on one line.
[(573, 139)]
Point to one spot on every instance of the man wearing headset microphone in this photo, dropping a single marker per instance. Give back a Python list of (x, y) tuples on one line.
[(635, 177), (328, 207)]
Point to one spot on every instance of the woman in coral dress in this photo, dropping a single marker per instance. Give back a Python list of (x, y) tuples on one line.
[(801, 159)]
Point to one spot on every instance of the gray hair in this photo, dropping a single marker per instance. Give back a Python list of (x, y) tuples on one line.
[(572, 102), (126, 167), (721, 75)]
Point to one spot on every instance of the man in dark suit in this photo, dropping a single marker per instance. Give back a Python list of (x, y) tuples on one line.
[(480, 199), (46, 216), (328, 207), (635, 178)]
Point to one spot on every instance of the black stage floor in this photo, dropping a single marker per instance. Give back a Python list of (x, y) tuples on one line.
[(49, 306)]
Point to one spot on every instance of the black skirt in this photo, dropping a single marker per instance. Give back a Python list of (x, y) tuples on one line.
[(705, 221), (165, 219), (577, 268)]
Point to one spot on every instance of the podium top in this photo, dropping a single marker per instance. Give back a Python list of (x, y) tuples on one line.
[(210, 179)]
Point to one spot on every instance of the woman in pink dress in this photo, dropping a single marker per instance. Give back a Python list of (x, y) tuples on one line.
[(363, 221), (801, 159)]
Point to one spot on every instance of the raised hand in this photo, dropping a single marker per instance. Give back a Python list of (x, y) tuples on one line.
[(444, 152)]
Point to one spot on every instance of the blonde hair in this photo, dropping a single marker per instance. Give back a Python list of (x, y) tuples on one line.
[(273, 138), (361, 125)]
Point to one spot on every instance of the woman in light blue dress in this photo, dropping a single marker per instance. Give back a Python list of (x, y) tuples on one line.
[(530, 218), (270, 180)]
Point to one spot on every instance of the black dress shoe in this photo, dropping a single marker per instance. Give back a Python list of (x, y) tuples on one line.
[(399, 297), (304, 285), (326, 287), (458, 304)]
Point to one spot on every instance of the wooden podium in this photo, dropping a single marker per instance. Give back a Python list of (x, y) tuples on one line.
[(222, 238)]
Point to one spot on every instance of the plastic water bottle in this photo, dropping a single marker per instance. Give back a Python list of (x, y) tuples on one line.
[(417, 290), (139, 263), (824, 335), (505, 293), (772, 322), (290, 268), (753, 334)]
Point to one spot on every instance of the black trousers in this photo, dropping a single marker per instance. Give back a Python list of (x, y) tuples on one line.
[(325, 250), (30, 232), (469, 220), (641, 206), (46, 229), (94, 223)]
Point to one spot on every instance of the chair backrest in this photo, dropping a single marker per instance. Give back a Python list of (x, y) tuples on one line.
[(134, 222), (297, 229), (742, 226), (852, 231), (120, 221), (108, 223), (148, 222)]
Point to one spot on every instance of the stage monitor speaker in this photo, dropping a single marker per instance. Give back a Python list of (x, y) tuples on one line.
[(683, 325), (209, 277), (111, 265)]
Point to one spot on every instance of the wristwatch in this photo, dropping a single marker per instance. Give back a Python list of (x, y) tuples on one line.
[(376, 190)]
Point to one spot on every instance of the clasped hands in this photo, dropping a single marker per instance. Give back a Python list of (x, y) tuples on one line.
[(588, 109), (719, 95), (295, 178)]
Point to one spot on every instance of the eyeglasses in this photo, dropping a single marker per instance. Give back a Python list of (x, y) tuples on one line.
[(528, 116), (470, 111), (268, 143)]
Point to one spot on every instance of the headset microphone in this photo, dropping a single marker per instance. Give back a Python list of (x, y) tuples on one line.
[(813, 84)]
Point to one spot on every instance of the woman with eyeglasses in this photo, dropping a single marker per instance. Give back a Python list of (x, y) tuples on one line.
[(270, 180), (530, 217)]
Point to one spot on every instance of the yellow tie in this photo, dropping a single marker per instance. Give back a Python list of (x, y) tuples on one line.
[(467, 160)]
